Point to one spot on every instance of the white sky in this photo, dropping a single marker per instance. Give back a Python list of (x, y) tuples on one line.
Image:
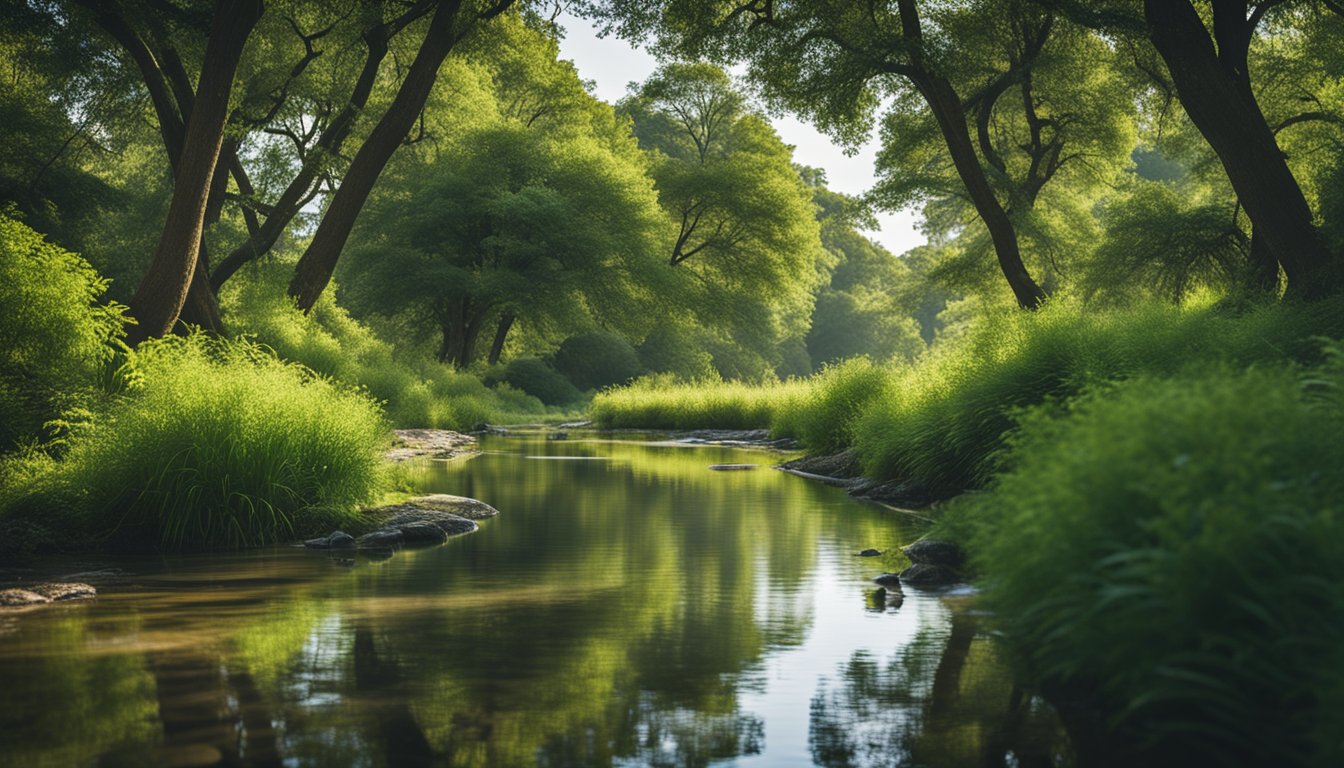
[(612, 64)]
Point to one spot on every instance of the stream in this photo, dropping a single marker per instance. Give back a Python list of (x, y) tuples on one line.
[(628, 607)]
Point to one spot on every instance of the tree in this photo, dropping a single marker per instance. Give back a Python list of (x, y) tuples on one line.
[(513, 222), (743, 234)]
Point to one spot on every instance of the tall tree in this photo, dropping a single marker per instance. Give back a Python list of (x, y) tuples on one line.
[(162, 293)]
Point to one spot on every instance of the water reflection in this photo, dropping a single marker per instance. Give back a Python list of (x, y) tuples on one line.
[(639, 610)]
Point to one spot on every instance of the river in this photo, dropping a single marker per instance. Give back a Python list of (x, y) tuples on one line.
[(627, 607)]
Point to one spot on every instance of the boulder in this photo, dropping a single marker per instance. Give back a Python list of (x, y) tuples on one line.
[(337, 540), (447, 522), (459, 506), (839, 466), (870, 553), (925, 575), (935, 552)]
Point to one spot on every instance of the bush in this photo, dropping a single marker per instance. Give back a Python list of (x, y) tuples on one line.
[(541, 381), (597, 360), (217, 444), (675, 351), (55, 337), (822, 419), (1173, 550), (662, 402)]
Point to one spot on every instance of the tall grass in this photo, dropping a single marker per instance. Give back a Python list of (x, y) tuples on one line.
[(662, 402), (1173, 549), (416, 392), (214, 444)]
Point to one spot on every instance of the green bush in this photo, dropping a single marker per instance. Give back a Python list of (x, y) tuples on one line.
[(55, 337), (216, 444), (1172, 550), (541, 381), (822, 420), (596, 360)]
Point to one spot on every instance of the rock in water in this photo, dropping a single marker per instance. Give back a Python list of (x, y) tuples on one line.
[(424, 533), (889, 580), (731, 467), (944, 554), (385, 538), (341, 540), (925, 575), (15, 598), (65, 591), (461, 506), (870, 553)]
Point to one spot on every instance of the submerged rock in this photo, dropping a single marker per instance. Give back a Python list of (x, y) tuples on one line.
[(558, 436), (337, 540), (421, 533), (897, 493), (870, 553), (839, 466), (384, 538), (925, 575), (731, 467)]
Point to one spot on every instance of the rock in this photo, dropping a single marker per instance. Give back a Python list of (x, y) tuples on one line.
[(423, 533), (460, 506), (16, 598), (925, 575), (489, 429), (897, 493), (731, 467), (936, 552), (557, 436), (383, 538), (870, 553), (574, 425), (888, 580), (340, 540), (65, 591), (430, 443), (448, 523), (840, 466), (322, 542)]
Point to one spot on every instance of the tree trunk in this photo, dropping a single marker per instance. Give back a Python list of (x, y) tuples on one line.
[(501, 334), (158, 300), (947, 110), (318, 262), (1245, 145), (1264, 276)]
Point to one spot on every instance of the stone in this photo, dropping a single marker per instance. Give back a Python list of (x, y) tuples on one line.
[(423, 533), (322, 542), (16, 598), (935, 552), (731, 467), (384, 538), (889, 580), (65, 591), (430, 443), (448, 523), (340, 540), (897, 493), (460, 506), (558, 436), (870, 553), (925, 575), (839, 466)]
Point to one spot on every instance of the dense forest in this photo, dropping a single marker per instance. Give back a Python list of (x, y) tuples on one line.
[(240, 241)]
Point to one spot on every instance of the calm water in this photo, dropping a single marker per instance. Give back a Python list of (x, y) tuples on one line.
[(628, 607)]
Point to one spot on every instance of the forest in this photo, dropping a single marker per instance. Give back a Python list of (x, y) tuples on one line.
[(241, 241)]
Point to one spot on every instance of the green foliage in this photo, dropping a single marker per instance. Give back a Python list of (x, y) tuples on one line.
[(215, 444), (541, 381), (1173, 549), (597, 360), (676, 350), (56, 338), (823, 418), (662, 402)]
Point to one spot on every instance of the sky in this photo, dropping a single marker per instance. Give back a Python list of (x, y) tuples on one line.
[(612, 64)]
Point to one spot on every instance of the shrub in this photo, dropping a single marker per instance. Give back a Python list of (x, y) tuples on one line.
[(597, 360), (1173, 549), (541, 381), (822, 419), (219, 444), (55, 336), (662, 402)]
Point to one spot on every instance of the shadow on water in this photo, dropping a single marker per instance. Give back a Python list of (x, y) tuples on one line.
[(633, 610)]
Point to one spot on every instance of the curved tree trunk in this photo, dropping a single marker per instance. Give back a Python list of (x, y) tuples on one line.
[(1244, 143), (318, 262), (159, 299), (501, 335)]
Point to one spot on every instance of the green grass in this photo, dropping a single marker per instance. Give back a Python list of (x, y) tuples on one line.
[(1173, 550), (661, 402), (213, 444)]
